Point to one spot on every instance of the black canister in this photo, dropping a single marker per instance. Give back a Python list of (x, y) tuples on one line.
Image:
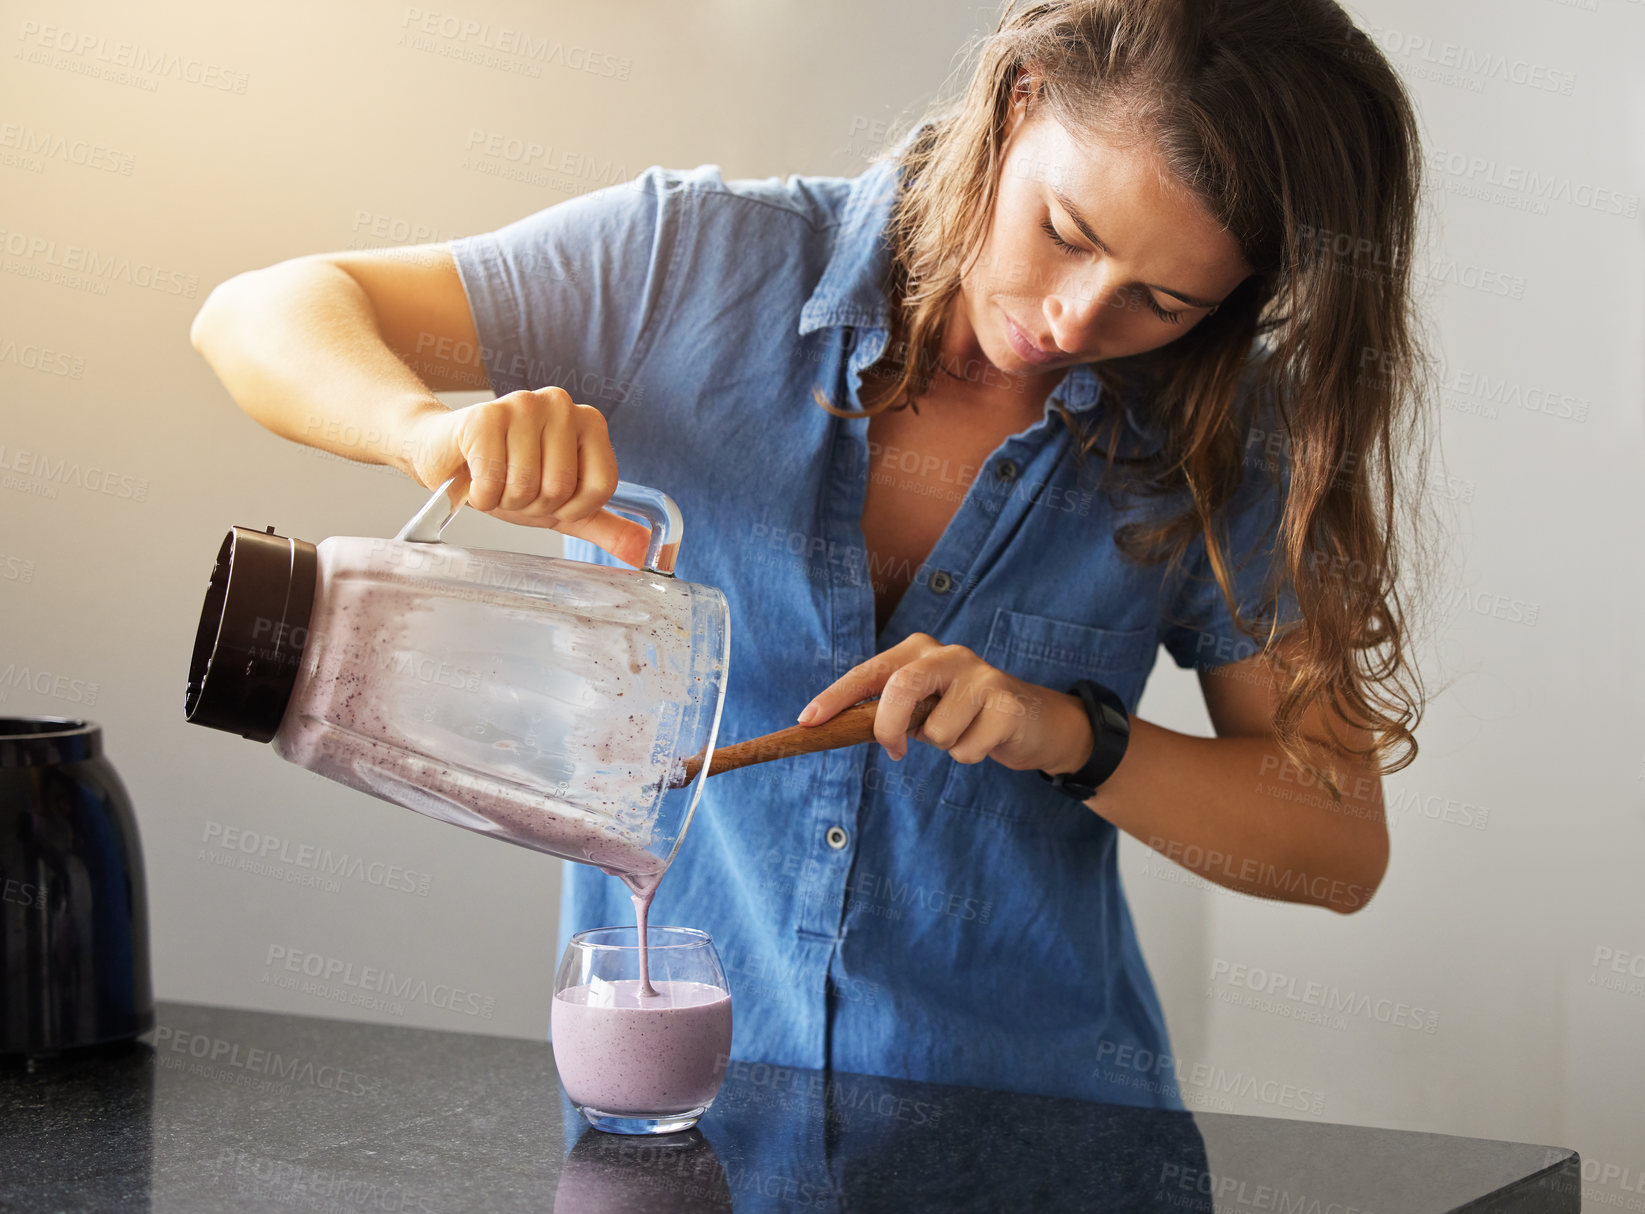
[(74, 940)]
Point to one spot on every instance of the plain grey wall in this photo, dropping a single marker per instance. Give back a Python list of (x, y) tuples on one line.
[(1495, 988)]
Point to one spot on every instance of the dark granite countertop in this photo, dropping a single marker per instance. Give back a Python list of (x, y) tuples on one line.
[(235, 1110)]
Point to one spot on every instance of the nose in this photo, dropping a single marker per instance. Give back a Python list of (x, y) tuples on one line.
[(1077, 310)]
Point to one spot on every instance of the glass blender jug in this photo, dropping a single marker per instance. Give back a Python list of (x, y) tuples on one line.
[(542, 700)]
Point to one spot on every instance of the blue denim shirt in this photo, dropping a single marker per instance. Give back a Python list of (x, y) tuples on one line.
[(969, 926)]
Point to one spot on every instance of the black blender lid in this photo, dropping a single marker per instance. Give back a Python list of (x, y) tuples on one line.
[(253, 627)]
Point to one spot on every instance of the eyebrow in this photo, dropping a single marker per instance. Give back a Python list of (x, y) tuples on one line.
[(1089, 234)]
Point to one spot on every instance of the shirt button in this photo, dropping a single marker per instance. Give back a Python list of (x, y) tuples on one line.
[(1006, 469), (837, 838), (941, 581)]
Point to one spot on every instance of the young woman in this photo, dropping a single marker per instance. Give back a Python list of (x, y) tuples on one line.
[(1114, 352)]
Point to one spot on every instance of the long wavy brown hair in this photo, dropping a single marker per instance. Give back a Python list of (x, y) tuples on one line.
[(1294, 132)]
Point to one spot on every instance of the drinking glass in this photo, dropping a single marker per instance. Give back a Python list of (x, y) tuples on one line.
[(633, 1063)]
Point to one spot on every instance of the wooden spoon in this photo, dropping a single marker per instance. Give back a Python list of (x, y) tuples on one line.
[(845, 728)]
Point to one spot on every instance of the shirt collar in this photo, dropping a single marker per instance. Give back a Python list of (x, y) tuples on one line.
[(853, 291), (1081, 393)]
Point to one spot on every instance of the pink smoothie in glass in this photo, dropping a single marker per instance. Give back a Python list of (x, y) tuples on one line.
[(622, 1052)]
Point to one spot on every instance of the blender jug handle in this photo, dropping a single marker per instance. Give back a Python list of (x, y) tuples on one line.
[(652, 506)]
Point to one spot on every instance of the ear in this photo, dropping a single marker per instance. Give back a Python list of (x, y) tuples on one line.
[(1023, 93), (1023, 88)]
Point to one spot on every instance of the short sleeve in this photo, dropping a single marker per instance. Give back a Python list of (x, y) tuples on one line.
[(569, 295), (1198, 630)]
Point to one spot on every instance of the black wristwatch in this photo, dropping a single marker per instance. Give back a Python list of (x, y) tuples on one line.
[(1111, 726)]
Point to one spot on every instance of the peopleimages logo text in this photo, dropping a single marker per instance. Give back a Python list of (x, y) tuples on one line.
[(273, 848), (45, 145), (146, 61), (1327, 997), (482, 35), (19, 676), (34, 357), (255, 1060), (377, 981), (111, 267), (62, 471)]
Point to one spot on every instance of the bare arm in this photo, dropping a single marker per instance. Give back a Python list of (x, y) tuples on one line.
[(1238, 812), (345, 351), (317, 348)]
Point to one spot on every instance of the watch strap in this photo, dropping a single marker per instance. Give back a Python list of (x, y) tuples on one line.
[(1111, 729)]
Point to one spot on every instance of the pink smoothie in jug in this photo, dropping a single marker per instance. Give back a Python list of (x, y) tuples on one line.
[(497, 721)]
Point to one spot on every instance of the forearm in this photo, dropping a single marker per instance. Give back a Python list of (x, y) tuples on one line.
[(297, 347), (1225, 807), (1241, 814)]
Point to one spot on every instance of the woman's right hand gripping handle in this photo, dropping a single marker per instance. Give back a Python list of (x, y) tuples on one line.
[(534, 457), (345, 351)]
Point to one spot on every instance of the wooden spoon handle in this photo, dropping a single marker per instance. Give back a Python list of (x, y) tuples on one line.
[(845, 728)]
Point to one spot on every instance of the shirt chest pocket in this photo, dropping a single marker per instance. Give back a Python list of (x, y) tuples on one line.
[(1052, 653)]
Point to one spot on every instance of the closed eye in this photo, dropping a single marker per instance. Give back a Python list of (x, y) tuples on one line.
[(1050, 230), (1172, 318)]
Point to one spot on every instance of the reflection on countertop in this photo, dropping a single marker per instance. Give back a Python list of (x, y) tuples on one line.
[(246, 1110)]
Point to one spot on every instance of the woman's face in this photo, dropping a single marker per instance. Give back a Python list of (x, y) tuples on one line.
[(1092, 253)]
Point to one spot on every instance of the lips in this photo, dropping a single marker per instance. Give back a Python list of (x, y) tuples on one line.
[(1025, 346)]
